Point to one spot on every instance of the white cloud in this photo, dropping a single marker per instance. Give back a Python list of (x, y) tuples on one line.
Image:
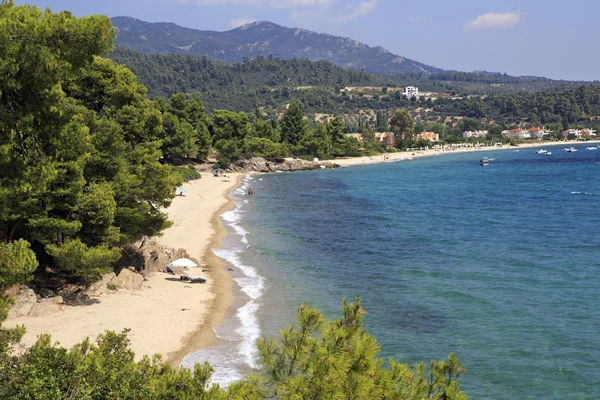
[(494, 21), (364, 8), (267, 3), (240, 21)]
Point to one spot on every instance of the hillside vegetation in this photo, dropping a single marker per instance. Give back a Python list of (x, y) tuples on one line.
[(357, 97)]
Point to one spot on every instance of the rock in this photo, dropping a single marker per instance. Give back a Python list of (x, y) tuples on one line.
[(20, 309), (26, 295), (79, 298), (46, 293), (259, 164), (98, 288), (149, 256), (41, 309), (53, 300), (128, 280), (25, 299)]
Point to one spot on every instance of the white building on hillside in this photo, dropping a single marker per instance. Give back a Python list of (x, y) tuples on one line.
[(474, 134), (411, 91)]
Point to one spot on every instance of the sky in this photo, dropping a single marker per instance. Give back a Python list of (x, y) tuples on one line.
[(551, 38)]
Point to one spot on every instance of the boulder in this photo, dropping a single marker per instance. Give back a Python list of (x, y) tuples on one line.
[(149, 256), (26, 294), (53, 300), (20, 309), (99, 288), (128, 280), (25, 299), (44, 308)]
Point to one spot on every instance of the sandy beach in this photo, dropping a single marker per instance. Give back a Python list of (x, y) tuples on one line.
[(405, 155), (165, 316)]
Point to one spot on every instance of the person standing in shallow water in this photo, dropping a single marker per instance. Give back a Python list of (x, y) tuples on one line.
[(250, 191)]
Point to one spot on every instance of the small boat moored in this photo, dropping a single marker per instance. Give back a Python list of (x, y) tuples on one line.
[(541, 151), (486, 161)]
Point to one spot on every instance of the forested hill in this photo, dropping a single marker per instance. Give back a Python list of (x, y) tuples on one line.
[(260, 38), (272, 82), (165, 74)]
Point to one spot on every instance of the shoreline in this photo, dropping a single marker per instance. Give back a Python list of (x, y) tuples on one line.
[(406, 155), (204, 336), (165, 316)]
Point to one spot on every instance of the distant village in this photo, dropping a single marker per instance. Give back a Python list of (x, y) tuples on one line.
[(534, 133)]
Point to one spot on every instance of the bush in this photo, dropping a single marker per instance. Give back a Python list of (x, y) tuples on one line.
[(88, 263), (188, 173)]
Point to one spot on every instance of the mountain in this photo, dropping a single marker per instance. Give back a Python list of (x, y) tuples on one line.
[(260, 38)]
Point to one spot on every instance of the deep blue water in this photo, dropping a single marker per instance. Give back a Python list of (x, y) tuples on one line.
[(499, 264)]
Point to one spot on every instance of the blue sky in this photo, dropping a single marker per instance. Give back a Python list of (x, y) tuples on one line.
[(520, 37)]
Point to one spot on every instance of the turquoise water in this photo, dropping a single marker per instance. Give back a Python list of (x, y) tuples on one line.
[(499, 264)]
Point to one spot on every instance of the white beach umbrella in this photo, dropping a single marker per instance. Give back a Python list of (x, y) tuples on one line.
[(183, 262)]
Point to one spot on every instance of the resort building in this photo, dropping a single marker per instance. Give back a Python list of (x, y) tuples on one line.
[(411, 91), (387, 138), (474, 134), (531, 133), (431, 136), (580, 133)]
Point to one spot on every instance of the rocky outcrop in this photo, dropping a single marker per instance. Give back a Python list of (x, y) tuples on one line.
[(43, 308), (101, 287), (128, 280), (148, 256), (25, 299), (259, 164), (28, 305)]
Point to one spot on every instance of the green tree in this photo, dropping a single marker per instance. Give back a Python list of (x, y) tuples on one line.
[(293, 126), (335, 129), (229, 129), (17, 263), (402, 124), (338, 359)]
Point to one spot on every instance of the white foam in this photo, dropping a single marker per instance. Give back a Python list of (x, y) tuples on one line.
[(226, 369), (250, 330), (232, 217)]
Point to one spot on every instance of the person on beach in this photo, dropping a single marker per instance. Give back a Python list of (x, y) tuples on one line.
[(250, 191)]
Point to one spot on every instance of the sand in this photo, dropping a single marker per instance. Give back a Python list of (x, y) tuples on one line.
[(166, 316), (406, 155)]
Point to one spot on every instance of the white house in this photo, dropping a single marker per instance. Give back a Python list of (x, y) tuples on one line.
[(411, 91), (474, 134), (580, 133)]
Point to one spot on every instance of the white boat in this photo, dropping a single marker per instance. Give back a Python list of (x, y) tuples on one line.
[(592, 148), (570, 149), (541, 151), (549, 153)]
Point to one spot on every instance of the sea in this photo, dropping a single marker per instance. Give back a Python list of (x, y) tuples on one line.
[(497, 263)]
